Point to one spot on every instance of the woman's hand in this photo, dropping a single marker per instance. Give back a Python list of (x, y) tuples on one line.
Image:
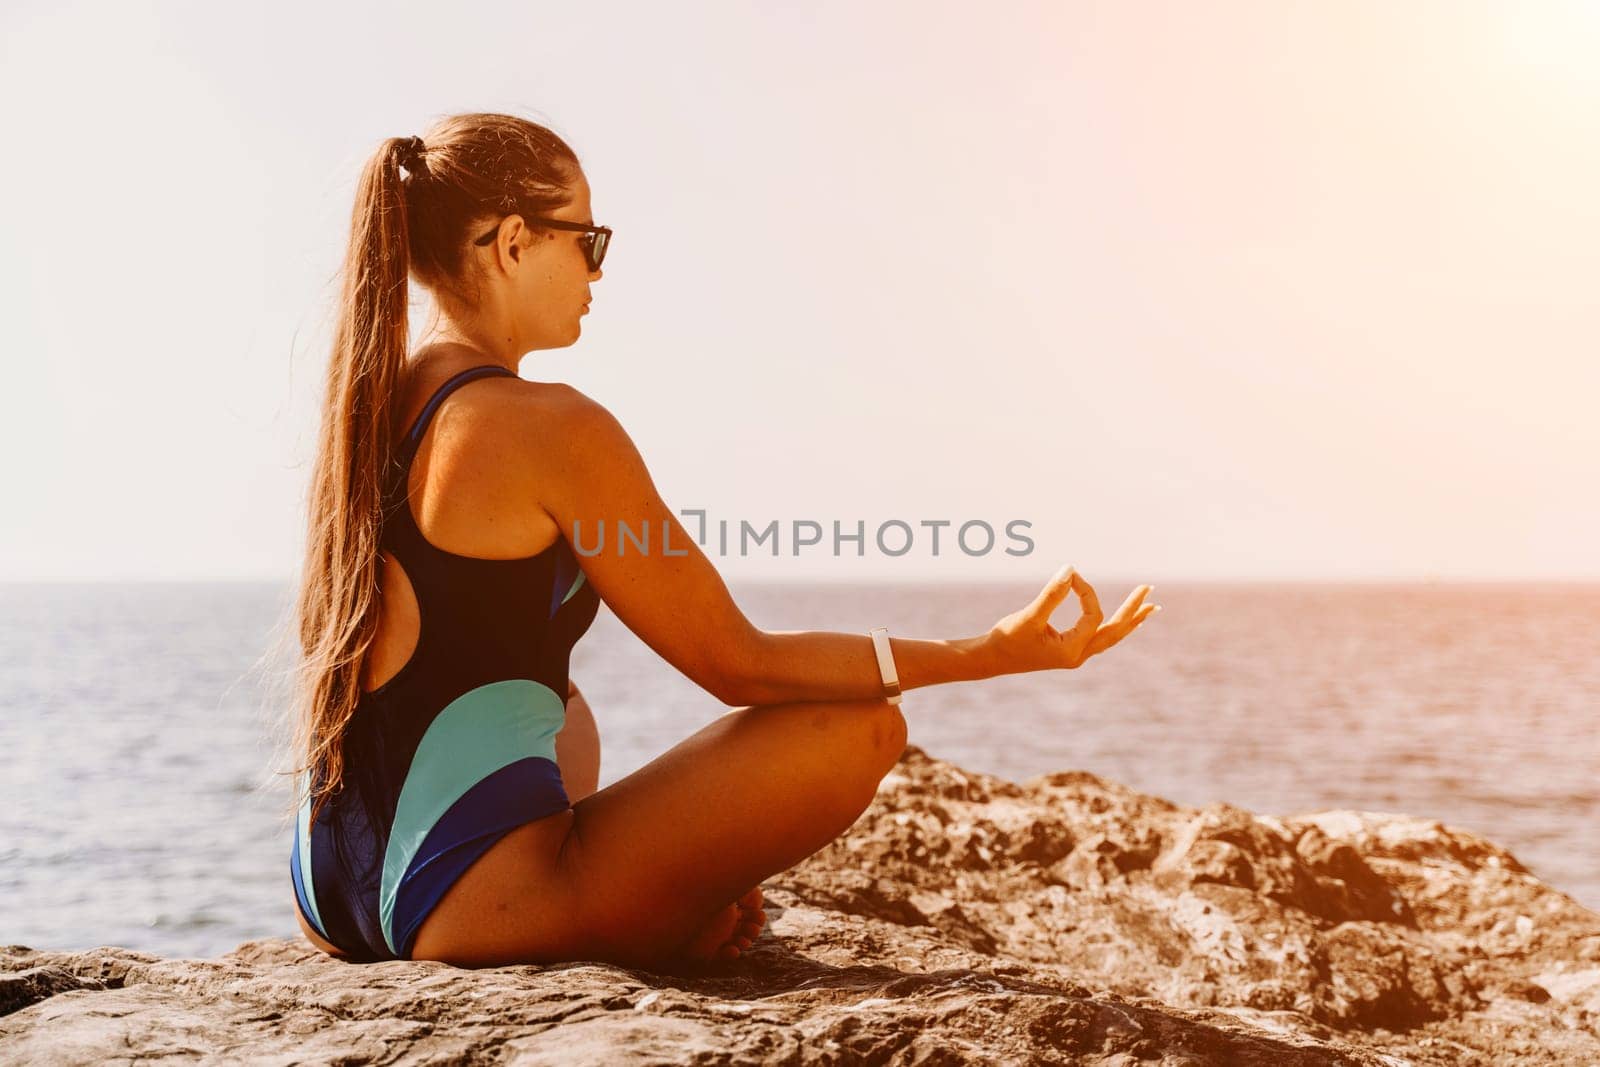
[(1025, 641)]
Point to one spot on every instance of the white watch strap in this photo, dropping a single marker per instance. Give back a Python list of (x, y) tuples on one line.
[(891, 679)]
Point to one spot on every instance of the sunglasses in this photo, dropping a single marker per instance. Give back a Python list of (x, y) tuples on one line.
[(595, 241)]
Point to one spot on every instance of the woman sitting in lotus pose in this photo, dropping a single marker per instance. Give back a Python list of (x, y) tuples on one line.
[(447, 803)]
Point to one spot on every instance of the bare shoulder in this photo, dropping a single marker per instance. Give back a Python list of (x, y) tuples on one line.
[(572, 455), (554, 419), (537, 440), (507, 408)]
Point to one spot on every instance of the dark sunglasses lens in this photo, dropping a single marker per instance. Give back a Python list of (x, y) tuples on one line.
[(597, 249)]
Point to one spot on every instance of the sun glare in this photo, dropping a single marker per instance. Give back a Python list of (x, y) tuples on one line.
[(1558, 38)]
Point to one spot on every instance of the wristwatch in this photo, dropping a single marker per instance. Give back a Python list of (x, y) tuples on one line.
[(891, 679)]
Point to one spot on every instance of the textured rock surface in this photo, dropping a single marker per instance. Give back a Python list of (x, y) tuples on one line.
[(963, 918)]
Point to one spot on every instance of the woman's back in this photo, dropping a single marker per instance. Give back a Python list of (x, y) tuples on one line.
[(456, 745), (464, 499)]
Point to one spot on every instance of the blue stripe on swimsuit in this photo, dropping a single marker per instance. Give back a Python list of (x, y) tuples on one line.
[(458, 748)]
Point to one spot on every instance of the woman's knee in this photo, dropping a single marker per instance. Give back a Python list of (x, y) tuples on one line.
[(888, 733), (867, 737)]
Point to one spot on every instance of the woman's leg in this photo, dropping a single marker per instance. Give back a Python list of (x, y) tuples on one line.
[(578, 749), (633, 871)]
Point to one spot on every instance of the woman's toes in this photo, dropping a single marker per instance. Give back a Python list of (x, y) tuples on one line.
[(708, 942), (731, 930)]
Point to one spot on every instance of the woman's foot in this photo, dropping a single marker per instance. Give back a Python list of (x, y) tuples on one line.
[(730, 931)]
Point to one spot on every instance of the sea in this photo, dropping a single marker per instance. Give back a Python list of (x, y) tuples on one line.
[(143, 731)]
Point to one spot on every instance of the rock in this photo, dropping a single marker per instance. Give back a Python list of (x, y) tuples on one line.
[(964, 918)]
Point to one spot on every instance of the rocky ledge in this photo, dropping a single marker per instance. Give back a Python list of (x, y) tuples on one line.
[(964, 918)]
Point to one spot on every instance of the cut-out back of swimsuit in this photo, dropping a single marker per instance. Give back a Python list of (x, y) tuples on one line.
[(457, 748)]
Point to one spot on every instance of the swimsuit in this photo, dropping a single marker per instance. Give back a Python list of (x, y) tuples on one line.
[(458, 748)]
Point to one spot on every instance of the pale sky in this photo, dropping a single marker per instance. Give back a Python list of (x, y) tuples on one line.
[(1200, 291)]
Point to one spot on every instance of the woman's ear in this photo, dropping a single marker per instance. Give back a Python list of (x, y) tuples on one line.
[(518, 229)]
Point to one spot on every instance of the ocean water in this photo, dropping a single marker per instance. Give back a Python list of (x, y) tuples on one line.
[(137, 726)]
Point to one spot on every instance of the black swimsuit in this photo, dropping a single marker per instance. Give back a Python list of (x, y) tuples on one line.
[(455, 750)]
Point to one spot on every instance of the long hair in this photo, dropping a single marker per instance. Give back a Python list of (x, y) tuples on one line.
[(469, 170)]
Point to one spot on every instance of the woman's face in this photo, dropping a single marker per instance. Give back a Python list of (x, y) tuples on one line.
[(549, 282)]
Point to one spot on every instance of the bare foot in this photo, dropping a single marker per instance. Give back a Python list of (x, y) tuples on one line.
[(730, 931), (752, 918)]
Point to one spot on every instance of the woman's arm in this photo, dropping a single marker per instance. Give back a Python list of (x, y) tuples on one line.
[(788, 666), (585, 471), (808, 666)]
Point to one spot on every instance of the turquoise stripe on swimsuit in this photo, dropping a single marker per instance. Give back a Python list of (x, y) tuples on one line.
[(479, 733), (305, 889)]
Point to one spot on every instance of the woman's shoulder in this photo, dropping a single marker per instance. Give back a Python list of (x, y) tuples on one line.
[(544, 408), (483, 401), (518, 404), (534, 423), (521, 412)]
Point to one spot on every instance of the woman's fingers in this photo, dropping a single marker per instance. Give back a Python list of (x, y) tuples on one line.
[(1113, 632), (1130, 605), (1087, 597), (1091, 632), (1064, 581), (1053, 593)]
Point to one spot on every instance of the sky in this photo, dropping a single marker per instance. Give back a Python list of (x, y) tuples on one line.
[(1232, 291)]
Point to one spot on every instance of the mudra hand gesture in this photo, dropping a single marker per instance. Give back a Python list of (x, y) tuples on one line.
[(1025, 641)]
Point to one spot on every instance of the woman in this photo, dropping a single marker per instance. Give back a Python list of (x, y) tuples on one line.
[(449, 767)]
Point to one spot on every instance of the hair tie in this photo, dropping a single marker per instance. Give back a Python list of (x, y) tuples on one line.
[(411, 155)]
